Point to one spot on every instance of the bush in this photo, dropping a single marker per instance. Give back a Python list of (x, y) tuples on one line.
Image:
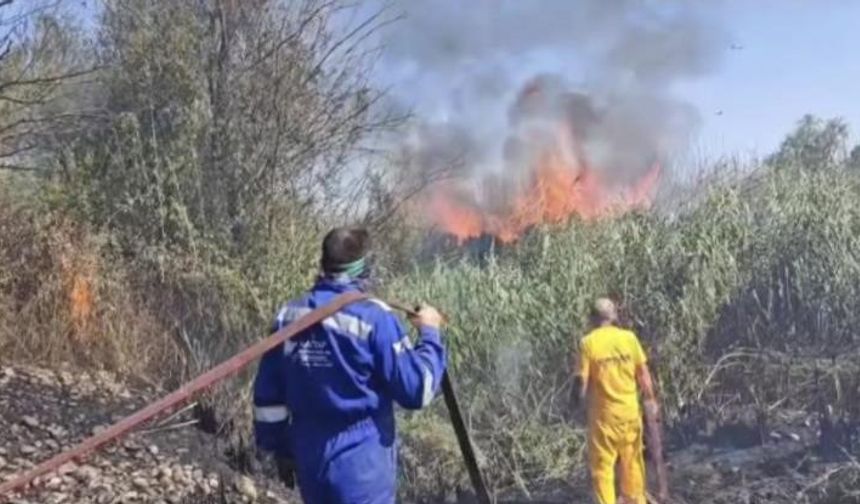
[(64, 299)]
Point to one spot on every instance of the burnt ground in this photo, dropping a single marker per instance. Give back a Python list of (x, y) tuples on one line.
[(794, 457), (791, 462), (171, 461)]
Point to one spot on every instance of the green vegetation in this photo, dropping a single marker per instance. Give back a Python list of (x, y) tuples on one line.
[(749, 298)]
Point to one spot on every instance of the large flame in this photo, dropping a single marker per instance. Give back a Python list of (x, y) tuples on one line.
[(548, 176), (560, 187)]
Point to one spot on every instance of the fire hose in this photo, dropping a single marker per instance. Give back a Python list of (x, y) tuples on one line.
[(655, 438), (231, 367), (460, 429)]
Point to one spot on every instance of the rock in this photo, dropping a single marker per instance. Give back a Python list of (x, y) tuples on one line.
[(179, 476), (67, 468), (65, 378), (141, 483), (153, 449), (85, 473), (60, 497), (28, 450), (246, 487), (3, 463), (30, 421), (56, 431), (165, 473)]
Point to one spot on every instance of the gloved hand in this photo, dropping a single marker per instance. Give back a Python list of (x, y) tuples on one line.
[(426, 316), (273, 465), (652, 410), (286, 471)]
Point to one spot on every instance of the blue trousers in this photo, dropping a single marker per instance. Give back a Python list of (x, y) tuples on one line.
[(357, 465)]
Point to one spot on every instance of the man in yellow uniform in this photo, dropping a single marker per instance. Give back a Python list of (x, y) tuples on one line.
[(611, 371)]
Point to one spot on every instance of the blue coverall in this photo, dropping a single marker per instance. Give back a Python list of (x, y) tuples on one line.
[(325, 399)]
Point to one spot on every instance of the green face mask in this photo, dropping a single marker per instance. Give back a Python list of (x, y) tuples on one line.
[(355, 268)]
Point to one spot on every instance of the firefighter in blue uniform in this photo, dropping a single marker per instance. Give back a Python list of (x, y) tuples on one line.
[(325, 399)]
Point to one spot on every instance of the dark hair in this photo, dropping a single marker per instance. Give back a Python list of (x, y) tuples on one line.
[(344, 245)]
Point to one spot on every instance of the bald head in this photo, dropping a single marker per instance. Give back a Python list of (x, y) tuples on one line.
[(604, 312)]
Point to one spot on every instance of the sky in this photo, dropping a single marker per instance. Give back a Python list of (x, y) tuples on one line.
[(796, 57), (783, 59)]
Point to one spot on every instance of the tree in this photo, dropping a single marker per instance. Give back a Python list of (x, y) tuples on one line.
[(223, 113), (40, 58), (814, 145), (854, 158)]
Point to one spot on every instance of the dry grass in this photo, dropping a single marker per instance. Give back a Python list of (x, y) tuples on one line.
[(62, 300)]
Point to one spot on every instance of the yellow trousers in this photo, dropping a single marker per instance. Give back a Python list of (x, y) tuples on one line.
[(611, 442)]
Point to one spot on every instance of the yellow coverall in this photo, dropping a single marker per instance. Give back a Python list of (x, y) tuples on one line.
[(607, 365)]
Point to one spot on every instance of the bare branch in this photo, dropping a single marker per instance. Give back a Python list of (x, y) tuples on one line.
[(20, 17), (18, 168), (51, 79), (293, 37), (21, 101), (6, 50), (369, 25)]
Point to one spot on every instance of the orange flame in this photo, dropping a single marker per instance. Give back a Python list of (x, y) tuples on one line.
[(560, 187)]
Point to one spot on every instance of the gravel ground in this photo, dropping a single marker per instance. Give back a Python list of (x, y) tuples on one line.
[(43, 412)]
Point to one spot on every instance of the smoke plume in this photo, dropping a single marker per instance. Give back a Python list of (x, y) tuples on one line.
[(498, 84)]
